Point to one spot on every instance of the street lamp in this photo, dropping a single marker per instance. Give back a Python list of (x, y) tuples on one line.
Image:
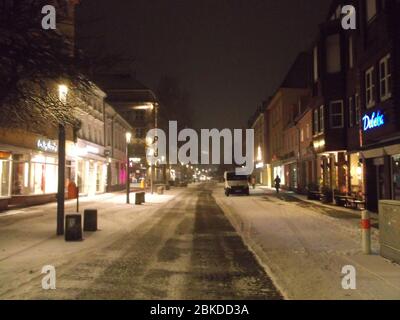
[(62, 95), (128, 137)]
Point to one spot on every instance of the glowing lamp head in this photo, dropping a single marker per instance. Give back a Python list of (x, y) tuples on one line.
[(128, 136), (62, 92)]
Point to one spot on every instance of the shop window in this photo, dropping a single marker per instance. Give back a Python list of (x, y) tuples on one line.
[(336, 114), (43, 175), (5, 178), (369, 88), (385, 78)]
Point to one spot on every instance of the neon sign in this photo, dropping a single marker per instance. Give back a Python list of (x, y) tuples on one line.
[(375, 120)]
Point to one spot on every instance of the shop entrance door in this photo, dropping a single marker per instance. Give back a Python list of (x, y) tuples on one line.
[(380, 173)]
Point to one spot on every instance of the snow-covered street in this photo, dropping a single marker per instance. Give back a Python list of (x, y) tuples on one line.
[(176, 246), (304, 246)]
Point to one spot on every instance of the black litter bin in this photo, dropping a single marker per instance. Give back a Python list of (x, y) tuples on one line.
[(90, 220), (139, 198), (73, 227)]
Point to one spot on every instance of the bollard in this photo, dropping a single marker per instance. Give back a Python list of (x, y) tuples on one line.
[(366, 232)]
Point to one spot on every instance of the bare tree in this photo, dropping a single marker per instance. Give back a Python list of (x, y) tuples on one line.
[(32, 63)]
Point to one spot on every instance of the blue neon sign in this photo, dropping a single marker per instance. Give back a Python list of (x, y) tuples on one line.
[(375, 120)]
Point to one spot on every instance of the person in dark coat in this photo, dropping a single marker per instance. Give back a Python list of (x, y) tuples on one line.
[(277, 183)]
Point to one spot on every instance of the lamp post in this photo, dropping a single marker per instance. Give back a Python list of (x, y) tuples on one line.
[(128, 136), (62, 94)]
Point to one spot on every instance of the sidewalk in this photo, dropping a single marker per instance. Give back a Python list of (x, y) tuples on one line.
[(348, 212), (304, 246), (28, 238)]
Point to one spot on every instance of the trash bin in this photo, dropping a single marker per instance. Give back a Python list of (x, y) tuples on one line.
[(73, 227), (139, 198), (389, 229), (90, 220)]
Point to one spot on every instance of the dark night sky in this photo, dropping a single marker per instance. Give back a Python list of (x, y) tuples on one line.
[(229, 54)]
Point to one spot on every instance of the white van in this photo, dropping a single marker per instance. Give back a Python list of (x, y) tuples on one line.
[(235, 184)]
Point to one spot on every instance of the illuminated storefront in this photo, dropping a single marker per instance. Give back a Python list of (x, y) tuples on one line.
[(87, 167), (5, 178), (34, 172)]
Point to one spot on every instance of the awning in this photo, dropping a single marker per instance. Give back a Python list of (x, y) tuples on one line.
[(381, 152)]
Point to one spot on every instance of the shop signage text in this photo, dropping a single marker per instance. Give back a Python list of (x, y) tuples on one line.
[(259, 165), (47, 145), (375, 120)]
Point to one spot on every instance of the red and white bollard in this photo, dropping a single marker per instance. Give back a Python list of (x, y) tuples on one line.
[(366, 232)]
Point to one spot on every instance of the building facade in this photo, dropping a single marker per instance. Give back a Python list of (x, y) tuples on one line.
[(261, 169), (343, 137)]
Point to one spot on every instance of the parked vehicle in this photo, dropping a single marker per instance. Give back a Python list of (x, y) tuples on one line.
[(236, 184)]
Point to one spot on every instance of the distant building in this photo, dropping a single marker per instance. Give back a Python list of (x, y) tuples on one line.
[(138, 105)]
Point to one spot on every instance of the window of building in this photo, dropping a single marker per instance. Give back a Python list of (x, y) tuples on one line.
[(371, 9), (357, 109), (308, 131), (336, 114), (369, 88), (316, 122), (321, 119), (302, 135), (333, 63), (351, 112), (139, 115), (315, 59), (139, 133), (385, 78), (351, 53), (5, 174)]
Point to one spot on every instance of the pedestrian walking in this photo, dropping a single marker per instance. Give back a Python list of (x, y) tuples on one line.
[(253, 182), (277, 184)]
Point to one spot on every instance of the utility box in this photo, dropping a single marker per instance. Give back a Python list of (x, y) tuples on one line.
[(389, 229)]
